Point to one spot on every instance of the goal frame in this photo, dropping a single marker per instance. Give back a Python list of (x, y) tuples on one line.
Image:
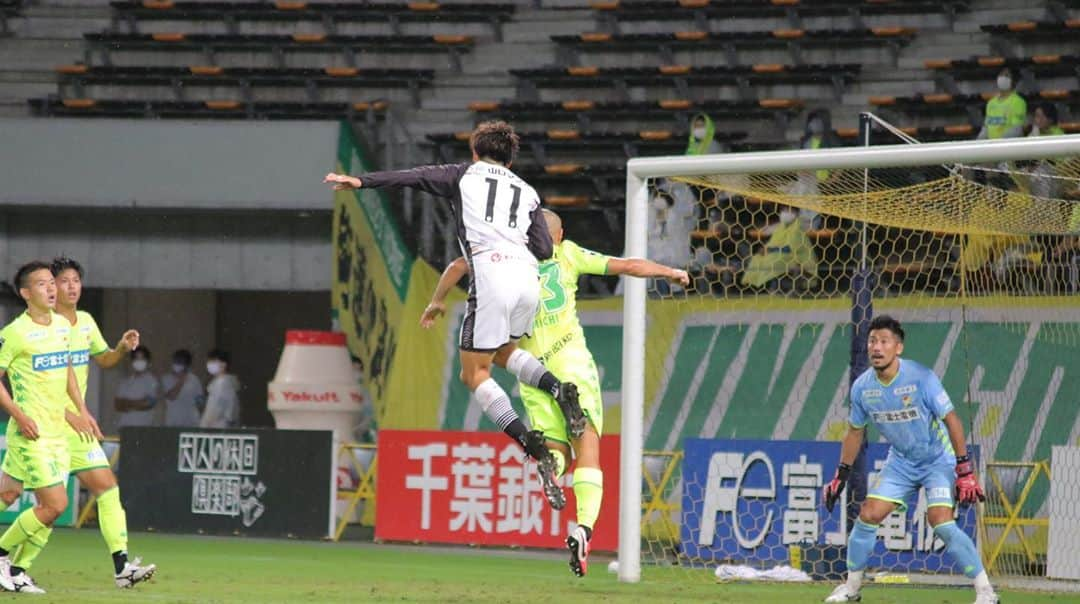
[(640, 171)]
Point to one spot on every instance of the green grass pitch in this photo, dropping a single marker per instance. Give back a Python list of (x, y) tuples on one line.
[(76, 568)]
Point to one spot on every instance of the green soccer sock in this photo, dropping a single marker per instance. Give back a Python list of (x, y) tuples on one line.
[(560, 461), (25, 525), (113, 520), (589, 491), (30, 549)]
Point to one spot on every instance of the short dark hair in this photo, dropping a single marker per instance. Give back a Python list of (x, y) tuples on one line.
[(495, 140), (22, 276), (1050, 111), (141, 349), (183, 355), (887, 322), (63, 263), (218, 354)]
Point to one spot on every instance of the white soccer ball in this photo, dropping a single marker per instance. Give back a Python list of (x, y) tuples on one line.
[(613, 567)]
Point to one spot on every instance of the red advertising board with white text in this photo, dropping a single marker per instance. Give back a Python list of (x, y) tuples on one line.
[(476, 488)]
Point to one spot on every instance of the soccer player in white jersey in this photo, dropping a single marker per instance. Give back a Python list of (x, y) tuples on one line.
[(559, 340), (502, 238), (910, 408)]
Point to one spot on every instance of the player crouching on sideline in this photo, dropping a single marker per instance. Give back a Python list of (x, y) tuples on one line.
[(558, 340), (910, 408), (502, 237), (88, 460)]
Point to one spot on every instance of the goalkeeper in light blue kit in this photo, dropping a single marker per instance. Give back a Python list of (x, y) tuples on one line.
[(908, 405)]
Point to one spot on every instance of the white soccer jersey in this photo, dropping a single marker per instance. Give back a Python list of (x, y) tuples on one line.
[(502, 235), (496, 211)]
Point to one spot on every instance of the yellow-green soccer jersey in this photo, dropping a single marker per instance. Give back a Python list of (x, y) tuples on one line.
[(86, 342), (1003, 114), (36, 359), (556, 326)]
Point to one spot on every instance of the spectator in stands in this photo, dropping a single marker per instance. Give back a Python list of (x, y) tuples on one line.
[(1045, 121), (1043, 181), (702, 136), (1005, 116), (183, 393), (787, 261), (1006, 112), (222, 393), (817, 134), (140, 391), (672, 220)]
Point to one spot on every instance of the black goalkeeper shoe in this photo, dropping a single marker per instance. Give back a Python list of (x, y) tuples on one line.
[(545, 465), (571, 409)]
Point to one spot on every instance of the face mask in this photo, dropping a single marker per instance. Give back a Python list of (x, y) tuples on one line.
[(816, 127), (213, 367), (787, 217), (140, 364), (699, 133), (179, 367), (1004, 83)]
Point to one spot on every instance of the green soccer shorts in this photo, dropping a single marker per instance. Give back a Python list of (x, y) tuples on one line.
[(571, 364), (84, 455), (37, 464)]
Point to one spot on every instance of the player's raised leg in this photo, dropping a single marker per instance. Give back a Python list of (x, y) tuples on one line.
[(495, 403), (530, 371)]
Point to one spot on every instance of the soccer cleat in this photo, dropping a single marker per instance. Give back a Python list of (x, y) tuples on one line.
[(986, 597), (843, 593), (24, 584), (571, 409), (578, 544), (545, 466), (134, 572), (5, 574)]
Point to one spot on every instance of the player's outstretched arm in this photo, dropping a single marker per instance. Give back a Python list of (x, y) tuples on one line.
[(849, 450), (112, 357), (968, 490), (438, 180), (450, 277), (640, 267)]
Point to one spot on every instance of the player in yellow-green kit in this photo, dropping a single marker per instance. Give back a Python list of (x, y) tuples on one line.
[(558, 342), (35, 354), (87, 459)]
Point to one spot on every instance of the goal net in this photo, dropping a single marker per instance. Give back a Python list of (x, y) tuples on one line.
[(735, 388)]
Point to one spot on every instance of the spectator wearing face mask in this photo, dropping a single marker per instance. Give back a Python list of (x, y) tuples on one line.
[(183, 393), (1006, 112), (702, 140), (818, 134), (222, 393), (140, 391), (788, 252)]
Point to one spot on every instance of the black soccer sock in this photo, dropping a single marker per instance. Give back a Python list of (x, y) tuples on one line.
[(119, 560), (550, 383), (530, 371), (516, 430)]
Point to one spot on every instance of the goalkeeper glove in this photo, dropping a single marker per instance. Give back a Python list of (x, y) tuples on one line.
[(836, 486), (968, 490)]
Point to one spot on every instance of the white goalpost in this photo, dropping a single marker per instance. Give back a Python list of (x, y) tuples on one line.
[(640, 179)]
